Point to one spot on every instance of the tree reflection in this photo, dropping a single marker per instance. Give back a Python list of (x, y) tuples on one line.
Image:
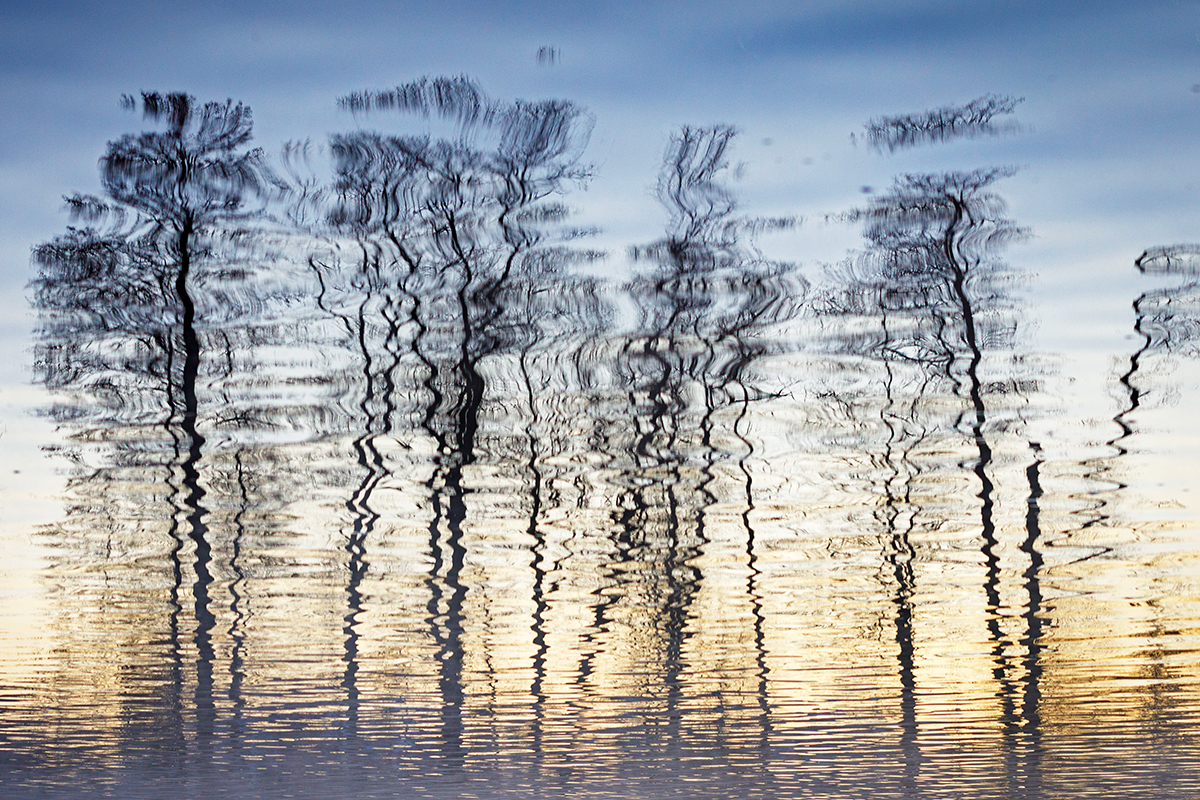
[(559, 479), (937, 292), (1165, 319), (1166, 323), (127, 304), (710, 310), (462, 263)]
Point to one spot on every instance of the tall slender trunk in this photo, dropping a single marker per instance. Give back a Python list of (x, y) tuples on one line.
[(1030, 720), (194, 509)]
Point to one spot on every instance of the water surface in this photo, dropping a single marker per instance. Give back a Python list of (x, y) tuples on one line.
[(442, 453)]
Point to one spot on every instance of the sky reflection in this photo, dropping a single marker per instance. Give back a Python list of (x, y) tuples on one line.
[(619, 419)]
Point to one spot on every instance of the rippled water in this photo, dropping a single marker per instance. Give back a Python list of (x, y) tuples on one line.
[(389, 465)]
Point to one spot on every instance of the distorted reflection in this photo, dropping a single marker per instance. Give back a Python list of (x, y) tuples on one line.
[(457, 295), (710, 309), (1166, 324), (1166, 320), (974, 119), (382, 482), (144, 311), (927, 310)]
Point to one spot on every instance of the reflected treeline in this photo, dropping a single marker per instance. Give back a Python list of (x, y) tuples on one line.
[(382, 438)]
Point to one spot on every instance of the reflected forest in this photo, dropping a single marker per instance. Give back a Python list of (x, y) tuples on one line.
[(372, 454)]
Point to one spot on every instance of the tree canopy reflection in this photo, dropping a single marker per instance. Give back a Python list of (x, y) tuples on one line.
[(944, 124)]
